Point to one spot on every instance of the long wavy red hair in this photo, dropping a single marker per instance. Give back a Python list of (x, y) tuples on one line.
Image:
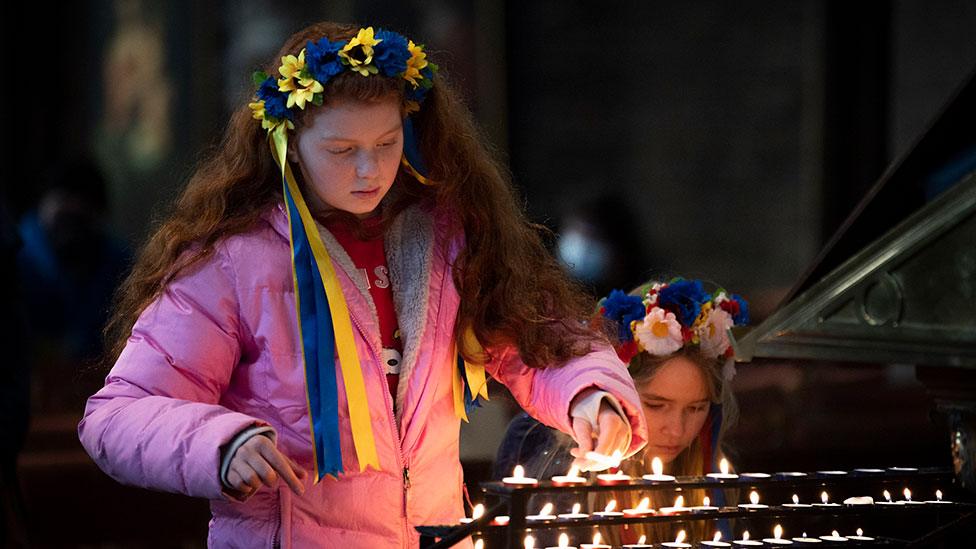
[(512, 290)]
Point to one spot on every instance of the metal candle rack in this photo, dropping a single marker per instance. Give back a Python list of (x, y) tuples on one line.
[(950, 518)]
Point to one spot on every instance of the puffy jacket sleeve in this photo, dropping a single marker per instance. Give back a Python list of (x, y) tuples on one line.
[(547, 393), (157, 422)]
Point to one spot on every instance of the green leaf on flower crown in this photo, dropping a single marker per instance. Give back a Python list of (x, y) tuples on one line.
[(317, 99), (258, 77), (303, 74)]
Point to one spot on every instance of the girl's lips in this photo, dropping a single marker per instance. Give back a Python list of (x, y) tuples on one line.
[(366, 194)]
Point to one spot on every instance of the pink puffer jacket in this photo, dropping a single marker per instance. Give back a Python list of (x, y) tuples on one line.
[(219, 352)]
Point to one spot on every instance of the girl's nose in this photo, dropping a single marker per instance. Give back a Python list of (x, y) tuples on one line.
[(367, 165), (673, 425)]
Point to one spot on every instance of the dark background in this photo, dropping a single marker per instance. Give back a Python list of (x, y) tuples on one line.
[(718, 140)]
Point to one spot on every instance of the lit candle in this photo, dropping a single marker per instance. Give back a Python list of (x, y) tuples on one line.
[(832, 473), (657, 467), (479, 544), (605, 461), (790, 474), (500, 520), (518, 478), (528, 542), (678, 543), (575, 515), (745, 541), (805, 539), (563, 542), (544, 514), (753, 504), (723, 466), (796, 504), (887, 501), (938, 498), (825, 501), (613, 478), (679, 507), (908, 498), (572, 477), (597, 543), (777, 538), (715, 542), (705, 507), (639, 545), (860, 536), (609, 511), (643, 508), (834, 536), (754, 475), (476, 514)]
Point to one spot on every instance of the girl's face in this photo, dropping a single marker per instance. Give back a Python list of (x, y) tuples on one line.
[(676, 404), (348, 154)]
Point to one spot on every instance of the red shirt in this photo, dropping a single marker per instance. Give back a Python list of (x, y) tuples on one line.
[(369, 257)]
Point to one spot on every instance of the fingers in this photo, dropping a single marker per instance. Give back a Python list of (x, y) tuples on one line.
[(287, 469), (257, 462), (583, 434), (613, 434)]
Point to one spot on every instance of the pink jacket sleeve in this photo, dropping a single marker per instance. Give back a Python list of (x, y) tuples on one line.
[(546, 394), (157, 422)]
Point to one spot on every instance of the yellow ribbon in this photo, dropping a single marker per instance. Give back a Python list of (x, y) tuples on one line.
[(352, 375), (475, 375)]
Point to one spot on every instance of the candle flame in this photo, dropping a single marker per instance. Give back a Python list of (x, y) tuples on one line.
[(804, 534), (908, 494), (644, 504), (518, 472), (835, 534), (745, 535), (529, 542), (938, 495), (860, 532), (573, 472), (778, 531), (679, 501), (479, 544), (642, 539), (796, 500), (680, 537), (717, 536), (724, 466), (597, 538), (610, 506), (754, 497), (824, 498), (657, 466), (576, 508), (546, 509), (706, 502), (563, 540), (887, 495), (478, 511)]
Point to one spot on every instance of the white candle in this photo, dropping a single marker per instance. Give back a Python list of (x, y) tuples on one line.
[(476, 514), (479, 544), (832, 473), (643, 508), (754, 475), (805, 539), (903, 469), (613, 478), (544, 514), (753, 504), (500, 520), (575, 514), (604, 461), (597, 543), (678, 543), (887, 501), (639, 545), (657, 468), (609, 511), (859, 500), (745, 541), (825, 501), (723, 466), (528, 542), (869, 471), (938, 498), (908, 498), (860, 536), (796, 504), (679, 507), (518, 478), (705, 507), (777, 538), (563, 542), (791, 474), (572, 477), (834, 536), (715, 542)]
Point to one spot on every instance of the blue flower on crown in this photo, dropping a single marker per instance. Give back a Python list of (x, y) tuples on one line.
[(623, 309), (391, 54), (417, 94), (742, 317), (322, 59), (684, 298), (275, 101)]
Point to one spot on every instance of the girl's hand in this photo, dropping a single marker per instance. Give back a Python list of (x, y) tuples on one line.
[(611, 432), (258, 462)]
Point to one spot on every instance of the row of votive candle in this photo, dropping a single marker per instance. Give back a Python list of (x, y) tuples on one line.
[(715, 543)]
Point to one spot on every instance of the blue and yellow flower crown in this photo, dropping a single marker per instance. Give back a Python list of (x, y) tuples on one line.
[(303, 77), (665, 317)]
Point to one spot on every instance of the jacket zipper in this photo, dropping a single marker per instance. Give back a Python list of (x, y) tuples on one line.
[(401, 457), (276, 539)]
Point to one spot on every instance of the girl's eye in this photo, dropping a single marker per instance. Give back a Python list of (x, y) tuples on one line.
[(387, 144), (699, 409), (654, 405), (340, 151)]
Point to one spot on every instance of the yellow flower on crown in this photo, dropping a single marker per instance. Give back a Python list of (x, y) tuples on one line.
[(301, 89), (417, 61), (365, 42)]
